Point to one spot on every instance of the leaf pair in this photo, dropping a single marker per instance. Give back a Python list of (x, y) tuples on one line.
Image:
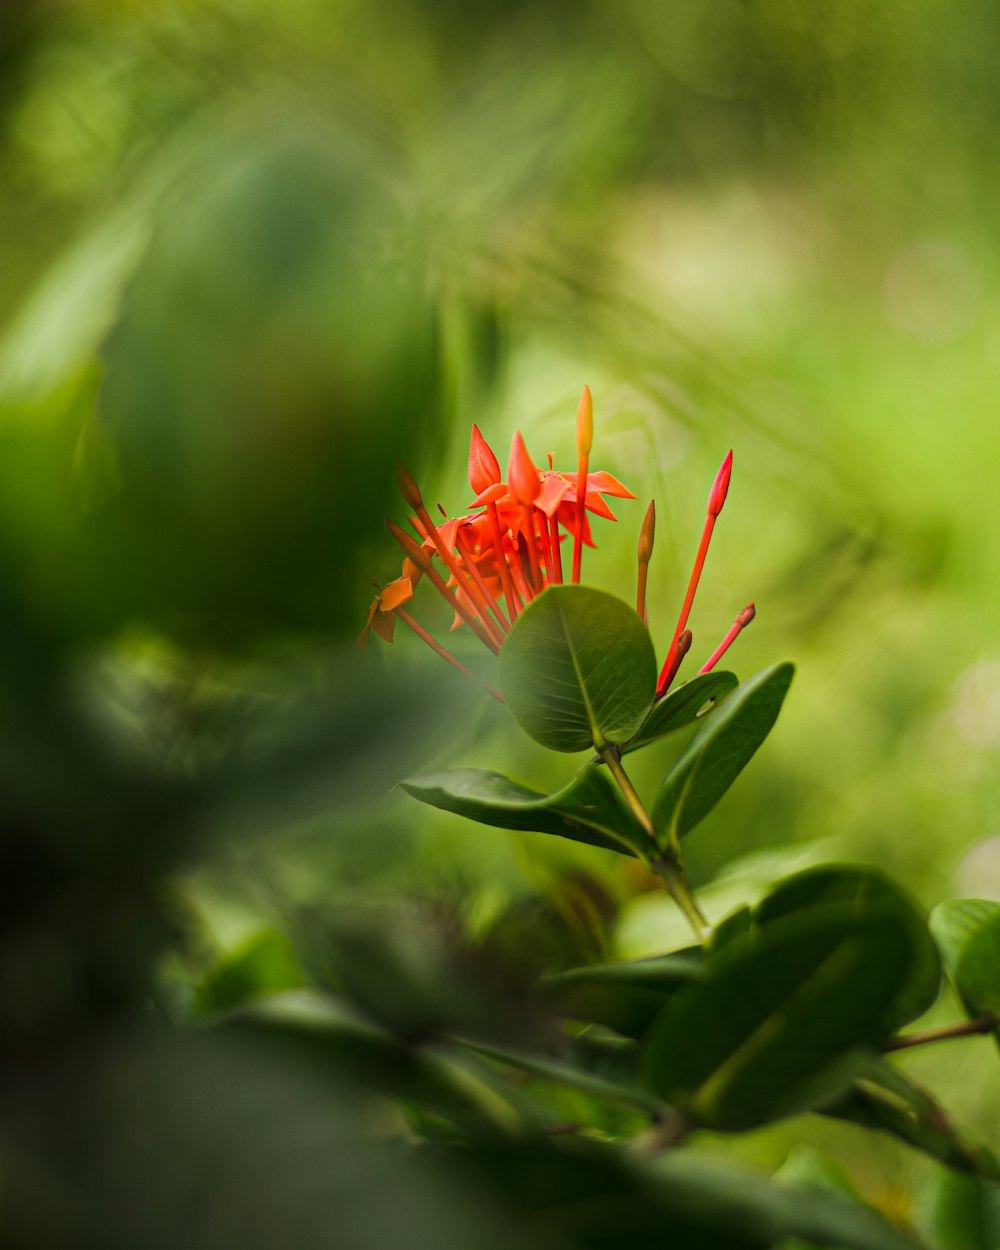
[(578, 671)]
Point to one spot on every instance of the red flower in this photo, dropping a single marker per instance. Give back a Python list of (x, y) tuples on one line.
[(502, 553)]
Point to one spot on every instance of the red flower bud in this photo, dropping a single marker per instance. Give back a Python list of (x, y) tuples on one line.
[(720, 486)]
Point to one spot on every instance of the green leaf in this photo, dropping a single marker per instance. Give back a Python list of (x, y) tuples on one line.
[(735, 925), (578, 669), (681, 707), (265, 964), (563, 1071), (590, 809), (968, 932), (885, 1098), (746, 1206), (626, 997), (959, 1212), (954, 922), (857, 886), (784, 1019), (719, 752)]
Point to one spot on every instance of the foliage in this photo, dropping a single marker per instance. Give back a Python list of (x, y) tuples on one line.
[(250, 256)]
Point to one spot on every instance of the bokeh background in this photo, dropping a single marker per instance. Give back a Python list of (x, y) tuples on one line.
[(251, 255)]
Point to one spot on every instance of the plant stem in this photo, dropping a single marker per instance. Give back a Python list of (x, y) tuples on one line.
[(667, 864), (610, 756), (671, 870), (965, 1028)]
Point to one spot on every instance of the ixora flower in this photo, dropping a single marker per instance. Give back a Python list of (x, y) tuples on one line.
[(493, 560)]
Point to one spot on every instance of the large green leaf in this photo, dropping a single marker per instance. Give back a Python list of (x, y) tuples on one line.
[(719, 752), (681, 707), (590, 809), (968, 932), (627, 997), (578, 669), (886, 1098), (853, 885), (785, 1018)]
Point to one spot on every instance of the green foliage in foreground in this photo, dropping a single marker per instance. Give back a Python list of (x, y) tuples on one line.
[(786, 1007)]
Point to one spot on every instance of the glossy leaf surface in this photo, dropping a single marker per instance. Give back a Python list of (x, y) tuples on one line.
[(719, 752), (783, 1020), (590, 809), (681, 707), (578, 669), (857, 888)]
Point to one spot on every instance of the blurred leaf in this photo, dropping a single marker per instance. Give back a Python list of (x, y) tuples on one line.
[(590, 809), (956, 1212), (418, 979), (815, 888), (719, 752), (682, 707), (735, 925), (954, 922), (578, 1074), (885, 1098), (968, 932), (577, 669), (266, 964), (329, 1032), (275, 354), (626, 997), (784, 1018), (598, 1200), (227, 1139), (806, 1170)]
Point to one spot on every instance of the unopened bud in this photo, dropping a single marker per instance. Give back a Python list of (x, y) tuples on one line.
[(408, 487), (585, 423), (744, 618), (647, 533), (720, 486), (684, 644)]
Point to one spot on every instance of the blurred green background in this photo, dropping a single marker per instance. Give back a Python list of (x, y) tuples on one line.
[(251, 255)]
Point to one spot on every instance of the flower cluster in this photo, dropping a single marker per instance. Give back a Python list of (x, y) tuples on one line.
[(508, 547)]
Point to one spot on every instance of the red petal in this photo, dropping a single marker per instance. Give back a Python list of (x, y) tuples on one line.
[(554, 487), (484, 467), (608, 485), (522, 473), (490, 495)]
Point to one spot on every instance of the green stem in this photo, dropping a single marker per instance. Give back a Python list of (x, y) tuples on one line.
[(965, 1028), (611, 757), (674, 877), (666, 865)]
